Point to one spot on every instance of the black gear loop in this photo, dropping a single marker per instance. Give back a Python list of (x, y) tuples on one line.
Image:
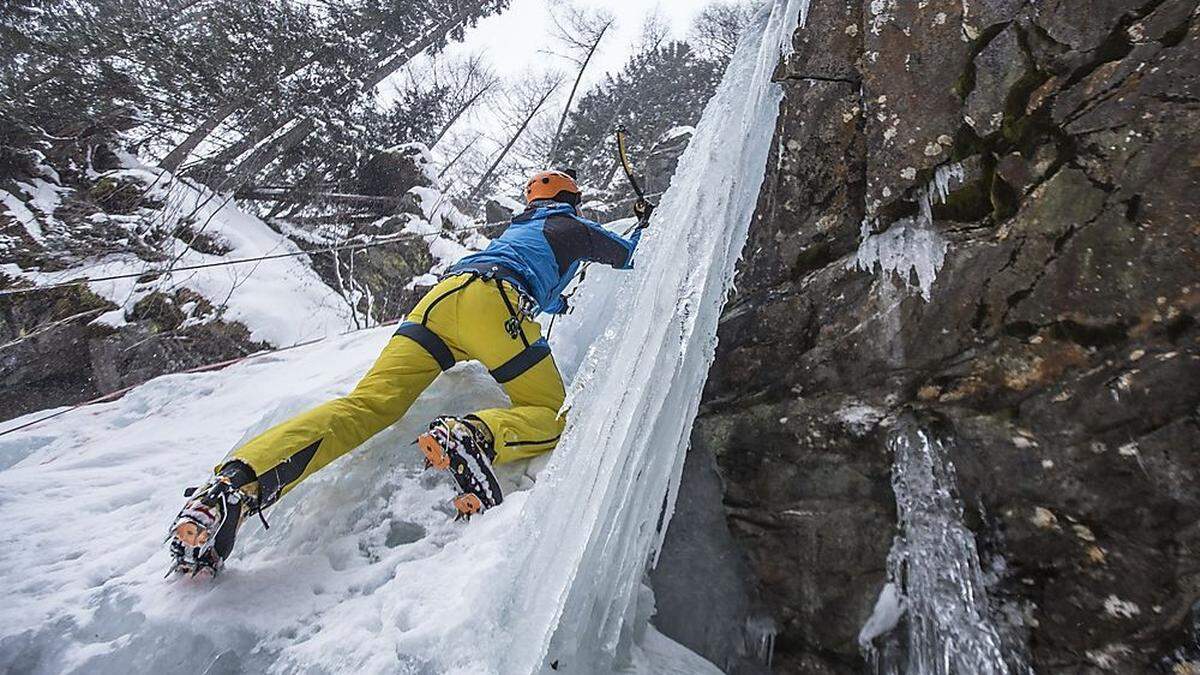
[(513, 325)]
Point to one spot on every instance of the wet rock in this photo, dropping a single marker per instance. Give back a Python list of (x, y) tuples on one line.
[(830, 46), (392, 172), (701, 584), (496, 213), (1060, 347), (914, 55)]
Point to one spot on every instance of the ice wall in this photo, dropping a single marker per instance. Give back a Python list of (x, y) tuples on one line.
[(362, 569), (590, 529)]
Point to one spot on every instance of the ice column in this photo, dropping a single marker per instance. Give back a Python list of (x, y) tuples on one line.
[(590, 528), (935, 593)]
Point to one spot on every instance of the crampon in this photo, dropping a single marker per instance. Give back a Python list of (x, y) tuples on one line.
[(202, 535), (462, 449)]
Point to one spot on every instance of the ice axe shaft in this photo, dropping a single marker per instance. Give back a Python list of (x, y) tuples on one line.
[(623, 154)]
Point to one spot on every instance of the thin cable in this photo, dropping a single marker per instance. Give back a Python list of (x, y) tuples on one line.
[(238, 261), (198, 369)]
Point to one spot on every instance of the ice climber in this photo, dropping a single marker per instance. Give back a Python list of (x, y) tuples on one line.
[(482, 309)]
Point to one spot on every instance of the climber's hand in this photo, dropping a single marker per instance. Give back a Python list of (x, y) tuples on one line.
[(642, 210)]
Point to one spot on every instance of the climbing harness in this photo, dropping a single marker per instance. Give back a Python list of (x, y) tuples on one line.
[(526, 308)]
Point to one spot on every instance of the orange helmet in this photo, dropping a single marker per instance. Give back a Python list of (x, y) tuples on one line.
[(557, 185)]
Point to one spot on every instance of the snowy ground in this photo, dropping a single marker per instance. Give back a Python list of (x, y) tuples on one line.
[(362, 569), (285, 304)]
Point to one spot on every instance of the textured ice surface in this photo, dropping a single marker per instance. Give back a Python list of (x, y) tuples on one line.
[(935, 580), (590, 529)]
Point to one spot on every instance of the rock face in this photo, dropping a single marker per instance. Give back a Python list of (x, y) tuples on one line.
[(52, 353), (1026, 176)]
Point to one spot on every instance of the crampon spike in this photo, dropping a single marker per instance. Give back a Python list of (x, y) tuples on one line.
[(434, 453), (467, 505)]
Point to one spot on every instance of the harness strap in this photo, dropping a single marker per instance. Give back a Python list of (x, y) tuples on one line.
[(513, 325), (522, 362), (430, 341), (443, 296)]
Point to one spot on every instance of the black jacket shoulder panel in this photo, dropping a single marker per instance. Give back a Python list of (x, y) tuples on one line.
[(573, 241)]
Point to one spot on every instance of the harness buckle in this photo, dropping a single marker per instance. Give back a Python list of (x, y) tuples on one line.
[(513, 327)]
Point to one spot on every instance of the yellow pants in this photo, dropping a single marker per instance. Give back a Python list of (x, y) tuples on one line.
[(464, 317)]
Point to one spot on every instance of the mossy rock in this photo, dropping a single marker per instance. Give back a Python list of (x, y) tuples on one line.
[(208, 243), (159, 309), (118, 195)]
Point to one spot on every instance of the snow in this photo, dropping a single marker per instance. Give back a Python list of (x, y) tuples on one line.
[(676, 132), (444, 249), (44, 195), (340, 583), (17, 209), (889, 608), (281, 301), (363, 569), (509, 204), (422, 157), (860, 418), (658, 654), (439, 210), (1121, 609), (112, 319)]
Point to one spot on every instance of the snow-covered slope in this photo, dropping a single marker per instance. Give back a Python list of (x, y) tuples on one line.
[(362, 570), (282, 301)]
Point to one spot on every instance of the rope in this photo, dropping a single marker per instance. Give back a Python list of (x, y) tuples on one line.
[(238, 261), (112, 396)]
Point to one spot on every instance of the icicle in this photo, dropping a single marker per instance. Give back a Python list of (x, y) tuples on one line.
[(911, 245), (760, 637)]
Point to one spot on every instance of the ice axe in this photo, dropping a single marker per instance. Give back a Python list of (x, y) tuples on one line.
[(643, 206)]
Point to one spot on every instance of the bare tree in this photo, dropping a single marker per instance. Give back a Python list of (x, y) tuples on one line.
[(579, 32), (471, 80), (527, 100), (655, 31), (303, 126), (718, 27)]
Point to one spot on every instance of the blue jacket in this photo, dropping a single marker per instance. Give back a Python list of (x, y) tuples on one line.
[(543, 248)]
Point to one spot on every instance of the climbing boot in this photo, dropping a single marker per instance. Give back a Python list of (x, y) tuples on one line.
[(202, 535), (465, 448)]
